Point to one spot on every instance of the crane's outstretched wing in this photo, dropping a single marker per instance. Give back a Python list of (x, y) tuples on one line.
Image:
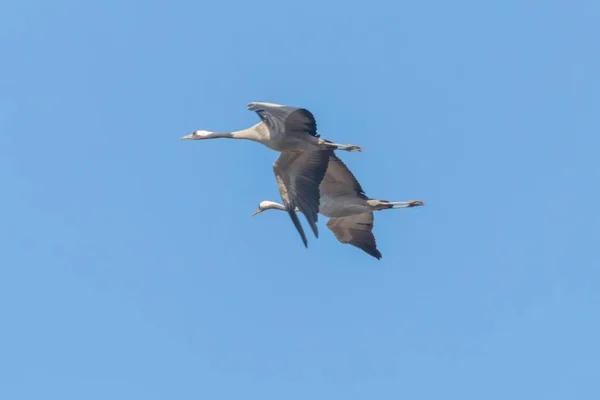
[(280, 118), (299, 174), (339, 181), (356, 230)]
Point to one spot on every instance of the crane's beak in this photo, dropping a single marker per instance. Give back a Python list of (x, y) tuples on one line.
[(187, 137), (257, 212)]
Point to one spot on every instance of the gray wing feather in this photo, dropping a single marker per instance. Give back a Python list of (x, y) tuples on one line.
[(339, 181), (302, 121), (290, 208), (280, 119), (299, 175), (356, 230)]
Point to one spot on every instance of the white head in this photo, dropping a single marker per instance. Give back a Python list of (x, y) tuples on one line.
[(196, 135), (268, 205)]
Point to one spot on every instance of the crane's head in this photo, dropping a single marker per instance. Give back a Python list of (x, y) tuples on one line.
[(267, 205), (196, 135)]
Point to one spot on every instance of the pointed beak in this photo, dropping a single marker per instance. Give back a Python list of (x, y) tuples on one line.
[(257, 212), (187, 137)]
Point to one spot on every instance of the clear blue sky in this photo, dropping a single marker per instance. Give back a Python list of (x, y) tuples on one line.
[(130, 265)]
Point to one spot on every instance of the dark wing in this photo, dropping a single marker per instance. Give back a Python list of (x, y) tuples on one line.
[(299, 174), (280, 118), (301, 120), (339, 181), (356, 230)]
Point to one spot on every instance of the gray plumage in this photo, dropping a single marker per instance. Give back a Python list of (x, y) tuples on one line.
[(292, 131), (298, 175), (350, 211), (356, 230)]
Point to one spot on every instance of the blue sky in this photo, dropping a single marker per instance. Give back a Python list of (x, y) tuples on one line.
[(130, 265)]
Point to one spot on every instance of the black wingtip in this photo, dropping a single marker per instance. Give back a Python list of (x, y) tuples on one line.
[(298, 226), (304, 240), (313, 226), (373, 252)]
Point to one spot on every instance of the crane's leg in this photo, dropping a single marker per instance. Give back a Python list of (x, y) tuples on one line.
[(336, 146), (377, 205), (407, 204)]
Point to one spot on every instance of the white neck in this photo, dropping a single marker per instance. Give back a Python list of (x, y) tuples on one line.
[(274, 206), (251, 133)]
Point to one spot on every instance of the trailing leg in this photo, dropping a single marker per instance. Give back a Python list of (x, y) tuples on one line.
[(407, 204), (336, 146), (384, 204)]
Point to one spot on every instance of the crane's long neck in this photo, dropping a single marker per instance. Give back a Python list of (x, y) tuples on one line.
[(251, 133), (274, 206), (227, 135), (211, 135)]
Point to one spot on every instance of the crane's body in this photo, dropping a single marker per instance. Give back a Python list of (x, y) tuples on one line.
[(300, 168), (349, 210), (282, 128)]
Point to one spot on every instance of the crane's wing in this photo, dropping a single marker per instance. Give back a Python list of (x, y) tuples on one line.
[(356, 230), (285, 119), (339, 181), (299, 174)]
